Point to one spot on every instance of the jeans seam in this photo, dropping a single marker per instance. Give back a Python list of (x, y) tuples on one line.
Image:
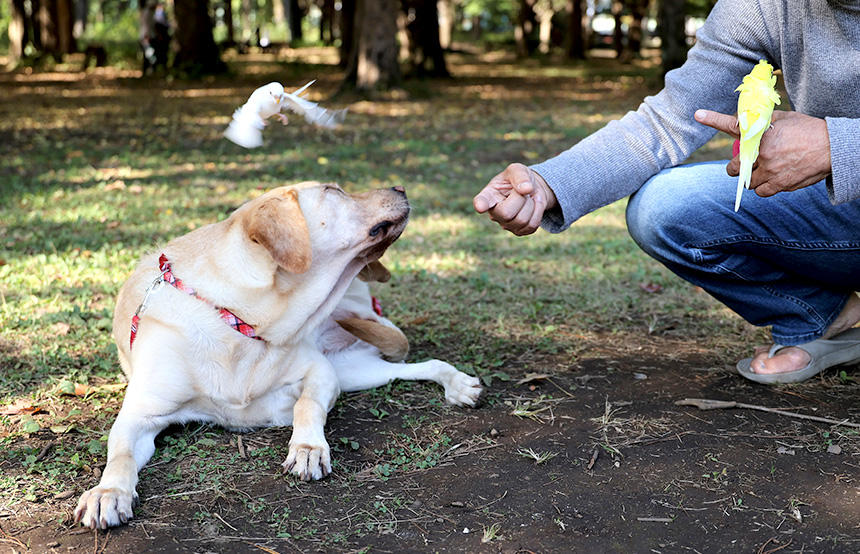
[(795, 245)]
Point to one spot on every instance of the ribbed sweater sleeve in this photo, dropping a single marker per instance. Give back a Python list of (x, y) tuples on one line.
[(618, 159), (843, 185)]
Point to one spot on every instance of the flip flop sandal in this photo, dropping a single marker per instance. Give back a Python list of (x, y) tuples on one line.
[(825, 353)]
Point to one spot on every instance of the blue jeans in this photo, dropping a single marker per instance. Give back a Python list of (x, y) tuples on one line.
[(790, 261)]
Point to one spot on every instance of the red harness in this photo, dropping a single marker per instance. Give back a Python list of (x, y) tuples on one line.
[(168, 277)]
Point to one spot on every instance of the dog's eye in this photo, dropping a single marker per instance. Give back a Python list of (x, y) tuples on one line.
[(335, 189)]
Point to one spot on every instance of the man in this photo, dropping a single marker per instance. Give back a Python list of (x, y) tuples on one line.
[(790, 258)]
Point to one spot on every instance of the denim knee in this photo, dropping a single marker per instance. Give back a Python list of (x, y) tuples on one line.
[(670, 212)]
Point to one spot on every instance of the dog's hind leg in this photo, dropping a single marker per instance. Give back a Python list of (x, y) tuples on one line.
[(361, 368)]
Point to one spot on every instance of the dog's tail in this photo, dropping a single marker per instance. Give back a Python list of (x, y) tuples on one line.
[(388, 339)]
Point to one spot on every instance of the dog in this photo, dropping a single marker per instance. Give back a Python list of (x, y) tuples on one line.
[(259, 320)]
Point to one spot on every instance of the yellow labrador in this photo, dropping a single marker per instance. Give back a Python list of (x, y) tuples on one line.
[(258, 320)]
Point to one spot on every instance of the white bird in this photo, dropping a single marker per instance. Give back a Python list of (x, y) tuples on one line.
[(267, 101)]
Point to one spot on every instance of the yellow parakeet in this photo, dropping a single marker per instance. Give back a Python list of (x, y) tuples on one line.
[(755, 107)]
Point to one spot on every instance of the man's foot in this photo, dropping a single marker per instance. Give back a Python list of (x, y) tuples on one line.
[(792, 358)]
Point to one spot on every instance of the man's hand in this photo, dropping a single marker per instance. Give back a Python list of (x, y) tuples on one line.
[(516, 199), (794, 153)]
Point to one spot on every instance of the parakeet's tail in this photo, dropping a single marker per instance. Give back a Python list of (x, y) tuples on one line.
[(243, 134), (743, 178)]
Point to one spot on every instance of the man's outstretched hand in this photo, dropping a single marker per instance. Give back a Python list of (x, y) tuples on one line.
[(516, 199), (794, 152)]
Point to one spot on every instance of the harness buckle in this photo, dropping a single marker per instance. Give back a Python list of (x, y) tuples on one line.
[(152, 288)]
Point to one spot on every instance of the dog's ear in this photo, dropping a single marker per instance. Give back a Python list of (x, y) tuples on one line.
[(374, 271), (279, 225)]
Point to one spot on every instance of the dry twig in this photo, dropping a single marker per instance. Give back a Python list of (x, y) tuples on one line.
[(707, 404)]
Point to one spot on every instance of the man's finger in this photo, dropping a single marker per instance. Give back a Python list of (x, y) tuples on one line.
[(734, 167), (719, 121), (487, 199), (537, 216), (520, 177), (507, 209)]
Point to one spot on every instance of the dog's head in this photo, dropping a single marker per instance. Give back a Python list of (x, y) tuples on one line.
[(320, 225)]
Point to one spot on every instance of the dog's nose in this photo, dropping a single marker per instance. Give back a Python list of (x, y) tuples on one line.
[(399, 188)]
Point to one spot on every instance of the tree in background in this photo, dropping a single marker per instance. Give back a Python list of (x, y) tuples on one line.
[(373, 63), (422, 33), (673, 35), (525, 26), (197, 53), (634, 33), (575, 43), (19, 30)]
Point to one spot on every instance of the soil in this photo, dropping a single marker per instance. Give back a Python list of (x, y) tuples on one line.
[(626, 470)]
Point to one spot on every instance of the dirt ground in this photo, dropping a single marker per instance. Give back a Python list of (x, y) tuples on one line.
[(590, 457)]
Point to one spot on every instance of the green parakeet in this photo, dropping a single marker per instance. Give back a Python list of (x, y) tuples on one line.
[(755, 107)]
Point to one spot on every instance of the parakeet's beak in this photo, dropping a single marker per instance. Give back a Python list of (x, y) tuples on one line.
[(277, 100)]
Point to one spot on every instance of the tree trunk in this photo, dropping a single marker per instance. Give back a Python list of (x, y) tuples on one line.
[(446, 22), (197, 51), (18, 30), (82, 12), (228, 22), (347, 31), (425, 48), (634, 35), (618, 33), (327, 22), (294, 19), (525, 25), (575, 36), (544, 12), (66, 27), (373, 60), (673, 35)]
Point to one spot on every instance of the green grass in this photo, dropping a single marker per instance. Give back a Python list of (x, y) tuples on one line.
[(99, 169)]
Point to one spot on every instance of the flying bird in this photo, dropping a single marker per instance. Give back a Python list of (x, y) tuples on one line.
[(267, 101), (755, 108)]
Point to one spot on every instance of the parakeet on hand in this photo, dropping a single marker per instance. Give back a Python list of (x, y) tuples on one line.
[(268, 100), (755, 108)]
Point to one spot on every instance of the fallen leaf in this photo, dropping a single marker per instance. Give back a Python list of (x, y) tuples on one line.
[(29, 425), (61, 429), (61, 328), (533, 377), (64, 495), (651, 287), (21, 407)]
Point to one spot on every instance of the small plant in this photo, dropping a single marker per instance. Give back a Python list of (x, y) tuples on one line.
[(538, 457), (491, 533)]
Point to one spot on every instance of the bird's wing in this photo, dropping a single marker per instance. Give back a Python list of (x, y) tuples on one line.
[(312, 112)]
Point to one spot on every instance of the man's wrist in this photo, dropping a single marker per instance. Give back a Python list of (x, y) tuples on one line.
[(551, 201)]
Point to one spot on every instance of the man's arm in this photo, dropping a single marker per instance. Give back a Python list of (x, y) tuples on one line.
[(843, 184), (616, 160)]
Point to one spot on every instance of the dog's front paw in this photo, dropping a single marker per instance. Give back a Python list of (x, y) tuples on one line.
[(461, 389), (104, 507), (308, 462)]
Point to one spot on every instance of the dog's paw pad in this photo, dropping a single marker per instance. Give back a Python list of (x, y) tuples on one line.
[(100, 508), (308, 462), (463, 390)]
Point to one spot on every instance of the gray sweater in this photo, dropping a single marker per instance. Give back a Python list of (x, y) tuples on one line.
[(816, 43)]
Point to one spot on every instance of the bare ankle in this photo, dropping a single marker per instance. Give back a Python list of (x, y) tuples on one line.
[(847, 318)]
